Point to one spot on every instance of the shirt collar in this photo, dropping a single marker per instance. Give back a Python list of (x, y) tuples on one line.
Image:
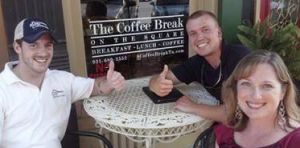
[(10, 77), (7, 73)]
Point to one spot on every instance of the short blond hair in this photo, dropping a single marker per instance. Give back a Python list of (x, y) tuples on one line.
[(201, 13)]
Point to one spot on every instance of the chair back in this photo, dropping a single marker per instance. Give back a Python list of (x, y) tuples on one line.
[(206, 139), (71, 139)]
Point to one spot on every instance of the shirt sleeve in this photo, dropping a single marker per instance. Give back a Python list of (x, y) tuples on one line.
[(81, 88), (188, 71), (77, 87), (236, 53)]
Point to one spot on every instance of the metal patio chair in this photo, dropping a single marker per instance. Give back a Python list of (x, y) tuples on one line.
[(206, 139), (71, 139)]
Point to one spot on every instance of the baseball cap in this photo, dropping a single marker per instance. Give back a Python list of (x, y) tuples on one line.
[(31, 29)]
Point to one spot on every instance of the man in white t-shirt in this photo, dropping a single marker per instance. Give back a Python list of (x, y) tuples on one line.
[(35, 102)]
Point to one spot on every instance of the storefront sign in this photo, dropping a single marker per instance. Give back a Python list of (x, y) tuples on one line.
[(139, 46)]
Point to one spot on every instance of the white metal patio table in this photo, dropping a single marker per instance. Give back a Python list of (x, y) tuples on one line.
[(130, 112)]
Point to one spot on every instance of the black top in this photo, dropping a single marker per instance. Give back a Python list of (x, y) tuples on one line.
[(191, 69)]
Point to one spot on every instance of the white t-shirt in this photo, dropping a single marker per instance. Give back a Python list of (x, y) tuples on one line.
[(35, 118)]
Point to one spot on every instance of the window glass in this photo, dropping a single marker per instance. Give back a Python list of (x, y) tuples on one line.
[(139, 35), (283, 12)]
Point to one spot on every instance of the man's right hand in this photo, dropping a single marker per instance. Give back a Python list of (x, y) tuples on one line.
[(160, 85)]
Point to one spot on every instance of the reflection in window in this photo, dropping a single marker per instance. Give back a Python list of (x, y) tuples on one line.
[(283, 12), (117, 2), (171, 2)]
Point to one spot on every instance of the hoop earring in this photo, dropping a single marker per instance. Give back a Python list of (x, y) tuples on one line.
[(281, 114), (238, 113)]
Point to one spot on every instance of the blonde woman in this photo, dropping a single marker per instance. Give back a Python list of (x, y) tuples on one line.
[(260, 99)]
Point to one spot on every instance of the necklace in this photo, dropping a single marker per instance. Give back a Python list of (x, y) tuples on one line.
[(218, 81)]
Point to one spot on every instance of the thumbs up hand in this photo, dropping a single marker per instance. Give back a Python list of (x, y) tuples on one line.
[(162, 86), (164, 72), (115, 79)]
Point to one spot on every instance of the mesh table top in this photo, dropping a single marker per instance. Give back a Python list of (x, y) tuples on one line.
[(132, 113)]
